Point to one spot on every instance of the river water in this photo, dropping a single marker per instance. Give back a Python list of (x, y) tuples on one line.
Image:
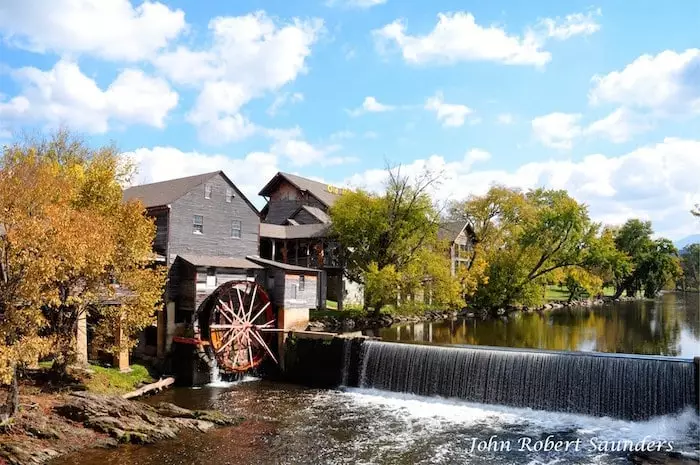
[(668, 325), (288, 424)]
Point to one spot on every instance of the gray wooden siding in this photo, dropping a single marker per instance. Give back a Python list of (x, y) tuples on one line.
[(218, 216), (160, 242), (296, 298)]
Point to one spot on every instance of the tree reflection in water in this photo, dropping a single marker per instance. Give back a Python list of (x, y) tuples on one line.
[(669, 325)]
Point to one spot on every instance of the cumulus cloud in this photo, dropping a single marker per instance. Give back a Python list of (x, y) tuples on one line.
[(457, 37), (64, 95), (666, 83), (449, 114), (110, 29), (250, 55), (656, 182), (371, 105), (557, 130)]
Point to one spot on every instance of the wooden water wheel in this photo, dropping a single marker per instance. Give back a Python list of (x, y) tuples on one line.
[(239, 321)]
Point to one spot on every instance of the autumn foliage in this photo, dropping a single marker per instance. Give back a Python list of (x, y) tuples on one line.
[(69, 246)]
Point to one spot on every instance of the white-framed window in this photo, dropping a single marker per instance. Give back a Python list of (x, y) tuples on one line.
[(198, 224), (236, 226), (207, 191), (229, 195)]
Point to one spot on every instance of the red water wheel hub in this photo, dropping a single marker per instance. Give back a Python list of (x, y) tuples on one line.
[(241, 323)]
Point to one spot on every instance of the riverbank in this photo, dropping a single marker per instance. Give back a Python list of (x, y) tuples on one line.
[(360, 321), (51, 423)]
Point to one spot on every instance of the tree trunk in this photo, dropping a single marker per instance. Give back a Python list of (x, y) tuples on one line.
[(11, 406)]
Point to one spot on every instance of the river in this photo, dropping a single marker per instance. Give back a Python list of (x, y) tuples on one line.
[(668, 325), (288, 424)]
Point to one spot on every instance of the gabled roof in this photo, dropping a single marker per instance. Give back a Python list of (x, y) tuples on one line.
[(280, 265), (318, 189), (159, 194), (219, 262), (316, 212), (299, 231), (449, 231)]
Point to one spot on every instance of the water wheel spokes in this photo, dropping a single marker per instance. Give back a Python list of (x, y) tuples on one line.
[(240, 323)]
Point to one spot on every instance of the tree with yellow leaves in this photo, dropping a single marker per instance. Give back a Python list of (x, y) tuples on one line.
[(68, 244)]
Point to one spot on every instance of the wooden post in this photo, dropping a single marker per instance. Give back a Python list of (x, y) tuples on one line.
[(161, 327), (81, 348), (121, 358)]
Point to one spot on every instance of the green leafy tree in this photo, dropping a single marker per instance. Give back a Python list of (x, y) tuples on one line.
[(385, 234), (526, 238), (690, 263)]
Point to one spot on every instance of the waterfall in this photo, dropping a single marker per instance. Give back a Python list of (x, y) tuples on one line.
[(347, 354), (621, 386)]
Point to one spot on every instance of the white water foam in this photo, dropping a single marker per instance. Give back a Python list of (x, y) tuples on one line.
[(445, 426), (217, 381)]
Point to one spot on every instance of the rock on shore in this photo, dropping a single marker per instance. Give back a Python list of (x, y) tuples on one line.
[(104, 421)]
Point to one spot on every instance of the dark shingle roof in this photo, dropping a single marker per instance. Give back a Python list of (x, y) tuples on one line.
[(166, 192), (280, 265), (299, 231), (315, 188), (159, 194), (450, 230), (219, 262)]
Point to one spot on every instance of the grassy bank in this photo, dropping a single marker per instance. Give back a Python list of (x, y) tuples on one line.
[(106, 380)]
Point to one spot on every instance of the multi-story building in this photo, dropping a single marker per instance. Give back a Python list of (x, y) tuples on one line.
[(295, 229)]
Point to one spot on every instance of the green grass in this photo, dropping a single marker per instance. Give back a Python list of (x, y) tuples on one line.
[(112, 381), (331, 305), (560, 293)]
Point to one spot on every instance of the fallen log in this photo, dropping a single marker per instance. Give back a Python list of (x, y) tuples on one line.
[(157, 386)]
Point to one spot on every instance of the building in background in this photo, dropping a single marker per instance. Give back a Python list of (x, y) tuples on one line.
[(295, 229)]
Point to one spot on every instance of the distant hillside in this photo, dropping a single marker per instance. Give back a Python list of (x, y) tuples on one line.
[(694, 239)]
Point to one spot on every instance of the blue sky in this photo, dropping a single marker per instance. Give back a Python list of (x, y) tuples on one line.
[(599, 98)]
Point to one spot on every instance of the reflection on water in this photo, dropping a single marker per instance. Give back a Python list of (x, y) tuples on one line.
[(293, 425), (669, 325)]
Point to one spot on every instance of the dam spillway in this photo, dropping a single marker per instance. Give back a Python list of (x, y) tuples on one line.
[(614, 385)]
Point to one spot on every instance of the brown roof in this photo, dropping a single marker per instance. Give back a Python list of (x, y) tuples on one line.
[(299, 231), (451, 230), (219, 262), (164, 193), (317, 189), (280, 265), (316, 212)]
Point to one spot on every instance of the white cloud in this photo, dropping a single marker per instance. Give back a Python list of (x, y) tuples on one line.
[(249, 173), (284, 99), (619, 126), (291, 145), (250, 56), (505, 118), (371, 105), (557, 130), (64, 95), (571, 25), (340, 135), (359, 4), (110, 29), (457, 37), (449, 114), (656, 182), (666, 83)]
